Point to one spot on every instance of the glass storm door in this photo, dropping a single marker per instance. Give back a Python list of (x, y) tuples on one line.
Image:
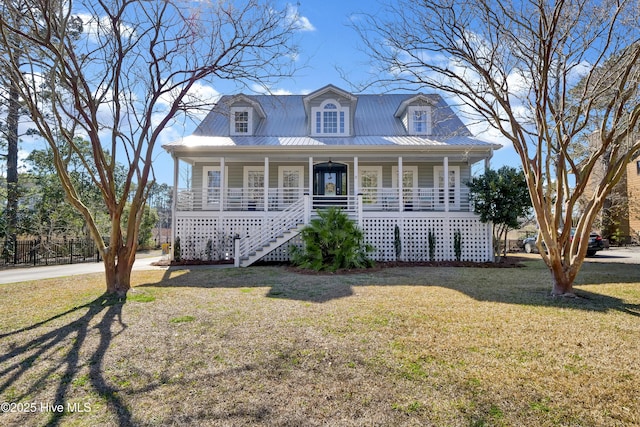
[(254, 187), (330, 179), (454, 183), (290, 183), (370, 183), (212, 180), (409, 184), (329, 185)]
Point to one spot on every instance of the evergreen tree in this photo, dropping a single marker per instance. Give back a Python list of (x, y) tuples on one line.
[(500, 197)]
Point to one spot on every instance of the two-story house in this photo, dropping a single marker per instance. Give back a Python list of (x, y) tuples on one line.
[(261, 165)]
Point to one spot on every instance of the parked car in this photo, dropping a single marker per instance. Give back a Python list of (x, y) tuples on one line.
[(595, 243)]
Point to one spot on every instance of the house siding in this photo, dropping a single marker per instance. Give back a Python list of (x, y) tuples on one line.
[(235, 172)]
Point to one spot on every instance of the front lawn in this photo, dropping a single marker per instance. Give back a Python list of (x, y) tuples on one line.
[(267, 346)]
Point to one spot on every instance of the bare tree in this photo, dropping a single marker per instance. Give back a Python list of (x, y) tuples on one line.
[(118, 72), (513, 65)]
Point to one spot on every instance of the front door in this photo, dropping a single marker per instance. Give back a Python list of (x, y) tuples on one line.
[(329, 184)]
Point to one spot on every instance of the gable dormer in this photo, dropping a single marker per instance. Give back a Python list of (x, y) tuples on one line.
[(330, 112), (245, 115), (416, 114)]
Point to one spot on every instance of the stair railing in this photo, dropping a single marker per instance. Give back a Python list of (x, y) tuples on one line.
[(260, 237)]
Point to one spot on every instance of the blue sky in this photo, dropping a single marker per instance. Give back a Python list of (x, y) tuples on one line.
[(327, 44)]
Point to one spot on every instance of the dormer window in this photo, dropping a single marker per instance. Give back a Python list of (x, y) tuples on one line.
[(419, 120), (241, 121), (330, 119)]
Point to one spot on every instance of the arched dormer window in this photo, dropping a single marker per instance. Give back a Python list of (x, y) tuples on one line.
[(330, 119)]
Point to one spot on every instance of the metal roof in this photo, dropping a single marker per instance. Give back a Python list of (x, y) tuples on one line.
[(374, 124), (200, 141)]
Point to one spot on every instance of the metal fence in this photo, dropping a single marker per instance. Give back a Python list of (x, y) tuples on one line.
[(48, 252)]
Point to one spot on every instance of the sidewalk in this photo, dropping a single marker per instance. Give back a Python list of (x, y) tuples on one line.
[(143, 262)]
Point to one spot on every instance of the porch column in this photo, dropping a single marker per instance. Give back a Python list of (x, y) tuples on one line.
[(307, 209), (446, 184), (266, 184), (174, 203), (311, 177), (356, 176), (223, 184), (400, 185)]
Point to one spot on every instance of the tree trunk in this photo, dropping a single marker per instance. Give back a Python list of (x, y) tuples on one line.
[(13, 115), (506, 242), (562, 280), (496, 243), (117, 268)]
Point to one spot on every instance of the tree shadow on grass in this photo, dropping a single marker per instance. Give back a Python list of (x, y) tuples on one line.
[(523, 286), (21, 357), (283, 283)]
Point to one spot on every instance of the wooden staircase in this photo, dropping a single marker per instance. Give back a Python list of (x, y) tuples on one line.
[(275, 232)]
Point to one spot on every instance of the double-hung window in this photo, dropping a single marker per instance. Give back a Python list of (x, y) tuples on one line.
[(241, 121), (419, 120)]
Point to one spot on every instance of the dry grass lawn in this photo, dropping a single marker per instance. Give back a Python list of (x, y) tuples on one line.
[(264, 346)]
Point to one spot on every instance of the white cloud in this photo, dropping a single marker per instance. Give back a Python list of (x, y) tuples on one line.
[(199, 94), (300, 22), (519, 83), (95, 27), (262, 90), (578, 71)]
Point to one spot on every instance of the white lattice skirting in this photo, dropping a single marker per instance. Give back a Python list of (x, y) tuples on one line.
[(212, 237)]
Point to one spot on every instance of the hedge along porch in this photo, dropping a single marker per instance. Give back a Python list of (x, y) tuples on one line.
[(381, 158)]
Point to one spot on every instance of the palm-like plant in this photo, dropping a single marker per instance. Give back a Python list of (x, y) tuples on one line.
[(330, 242)]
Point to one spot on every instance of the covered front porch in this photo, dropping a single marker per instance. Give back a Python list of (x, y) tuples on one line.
[(272, 184), (262, 200)]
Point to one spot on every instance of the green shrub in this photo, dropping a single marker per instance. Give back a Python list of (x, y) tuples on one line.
[(209, 250), (330, 242), (432, 246), (457, 244), (397, 242), (177, 255)]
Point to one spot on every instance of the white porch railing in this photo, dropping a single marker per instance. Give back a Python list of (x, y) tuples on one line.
[(279, 199), (349, 204), (414, 199)]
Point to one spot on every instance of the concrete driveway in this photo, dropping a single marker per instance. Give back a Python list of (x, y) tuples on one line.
[(625, 255), (23, 274)]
